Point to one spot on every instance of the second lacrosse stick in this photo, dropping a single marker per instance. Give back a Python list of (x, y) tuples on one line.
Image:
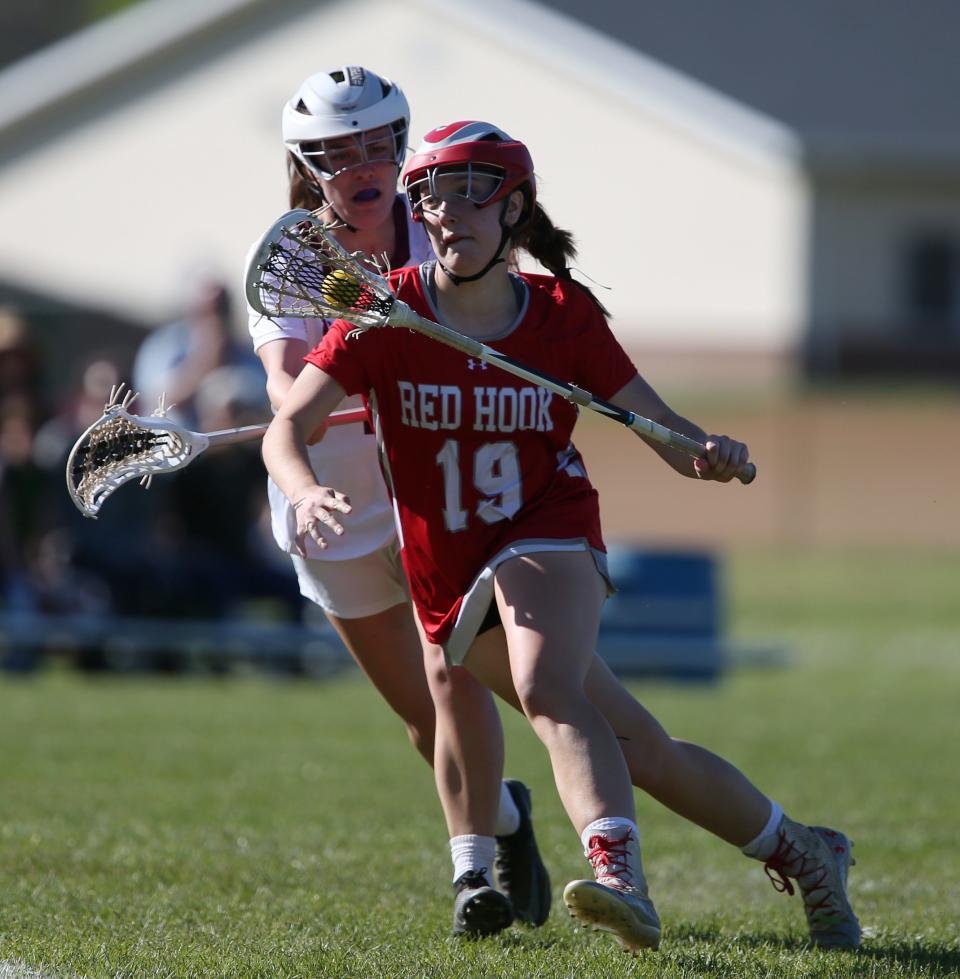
[(120, 446)]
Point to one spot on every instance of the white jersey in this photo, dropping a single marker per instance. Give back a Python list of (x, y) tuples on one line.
[(346, 457)]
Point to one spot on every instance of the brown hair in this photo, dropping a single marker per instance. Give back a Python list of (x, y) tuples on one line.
[(552, 247), (304, 192)]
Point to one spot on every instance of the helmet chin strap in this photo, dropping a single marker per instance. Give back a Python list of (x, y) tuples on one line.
[(496, 260)]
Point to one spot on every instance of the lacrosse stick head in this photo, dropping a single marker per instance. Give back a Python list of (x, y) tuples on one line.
[(120, 446), (298, 269)]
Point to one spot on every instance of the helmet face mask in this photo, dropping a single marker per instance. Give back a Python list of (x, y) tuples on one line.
[(463, 159), (328, 158), (346, 118), (474, 182)]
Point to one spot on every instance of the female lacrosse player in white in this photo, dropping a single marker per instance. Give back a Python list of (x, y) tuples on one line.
[(502, 544), (345, 131)]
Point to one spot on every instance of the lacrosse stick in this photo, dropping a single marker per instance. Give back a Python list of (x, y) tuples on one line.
[(120, 446), (299, 270)]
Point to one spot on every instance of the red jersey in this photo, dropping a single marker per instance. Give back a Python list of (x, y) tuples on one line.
[(479, 459)]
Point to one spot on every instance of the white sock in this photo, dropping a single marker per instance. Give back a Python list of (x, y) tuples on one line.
[(765, 842), (508, 815), (614, 826), (473, 852)]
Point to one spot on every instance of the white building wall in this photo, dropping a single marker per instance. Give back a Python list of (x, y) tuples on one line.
[(862, 235), (701, 245)]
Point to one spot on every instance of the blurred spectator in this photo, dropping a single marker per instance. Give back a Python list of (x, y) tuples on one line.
[(24, 490), (214, 507), (24, 503), (62, 587), (174, 359), (116, 562), (191, 547), (19, 362), (232, 396), (80, 409)]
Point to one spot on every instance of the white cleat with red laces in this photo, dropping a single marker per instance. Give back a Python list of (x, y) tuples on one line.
[(617, 901), (818, 859)]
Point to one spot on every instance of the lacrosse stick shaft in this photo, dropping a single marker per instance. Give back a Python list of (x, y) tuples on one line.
[(403, 315), (288, 274), (247, 433)]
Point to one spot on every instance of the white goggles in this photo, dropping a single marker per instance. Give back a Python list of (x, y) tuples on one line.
[(328, 158), (475, 182)]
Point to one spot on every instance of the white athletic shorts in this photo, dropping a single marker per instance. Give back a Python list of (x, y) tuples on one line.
[(477, 601), (357, 587)]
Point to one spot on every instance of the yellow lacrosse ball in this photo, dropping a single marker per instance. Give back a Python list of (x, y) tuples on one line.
[(340, 289)]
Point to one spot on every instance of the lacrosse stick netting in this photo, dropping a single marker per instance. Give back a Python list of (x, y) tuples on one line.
[(120, 446), (297, 269)]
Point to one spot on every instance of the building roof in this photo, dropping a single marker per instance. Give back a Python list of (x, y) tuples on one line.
[(128, 137), (864, 79), (120, 59), (168, 115), (874, 78)]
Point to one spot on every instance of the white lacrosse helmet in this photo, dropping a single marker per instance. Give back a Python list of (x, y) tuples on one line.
[(346, 102)]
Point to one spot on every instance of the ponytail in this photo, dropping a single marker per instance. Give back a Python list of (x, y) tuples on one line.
[(552, 247)]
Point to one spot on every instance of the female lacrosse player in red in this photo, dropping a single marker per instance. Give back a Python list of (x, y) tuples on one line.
[(502, 545), (345, 131)]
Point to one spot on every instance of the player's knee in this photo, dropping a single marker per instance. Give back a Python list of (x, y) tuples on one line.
[(546, 702), (437, 673)]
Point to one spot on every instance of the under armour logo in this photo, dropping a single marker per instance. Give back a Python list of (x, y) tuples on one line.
[(473, 364)]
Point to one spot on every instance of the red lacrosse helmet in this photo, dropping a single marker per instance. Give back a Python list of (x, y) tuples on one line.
[(488, 164)]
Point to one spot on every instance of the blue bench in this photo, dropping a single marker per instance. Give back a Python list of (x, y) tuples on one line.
[(667, 617), (665, 621)]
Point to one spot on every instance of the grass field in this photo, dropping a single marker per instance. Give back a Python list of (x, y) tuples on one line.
[(255, 828)]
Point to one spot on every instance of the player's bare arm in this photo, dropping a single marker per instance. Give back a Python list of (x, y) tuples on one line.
[(724, 455), (282, 359), (308, 403)]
